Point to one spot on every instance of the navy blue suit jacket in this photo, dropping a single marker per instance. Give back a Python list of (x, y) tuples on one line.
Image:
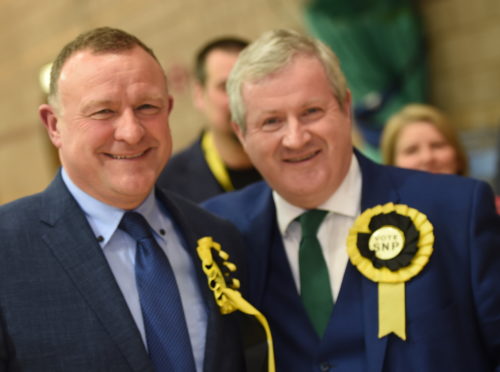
[(60, 306), (452, 306), (187, 173)]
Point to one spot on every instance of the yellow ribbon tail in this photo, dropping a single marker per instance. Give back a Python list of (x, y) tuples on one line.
[(215, 162), (244, 306), (391, 309)]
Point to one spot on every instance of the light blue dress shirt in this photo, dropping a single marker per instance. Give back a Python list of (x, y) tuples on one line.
[(119, 250)]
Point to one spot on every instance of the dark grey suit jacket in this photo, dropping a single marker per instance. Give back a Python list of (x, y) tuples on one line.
[(187, 173), (60, 306)]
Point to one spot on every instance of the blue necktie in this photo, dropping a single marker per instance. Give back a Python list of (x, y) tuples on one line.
[(164, 323)]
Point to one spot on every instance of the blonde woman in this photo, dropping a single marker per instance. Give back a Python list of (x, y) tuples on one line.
[(421, 137)]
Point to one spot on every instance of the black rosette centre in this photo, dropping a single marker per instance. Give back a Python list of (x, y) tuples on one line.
[(392, 242)]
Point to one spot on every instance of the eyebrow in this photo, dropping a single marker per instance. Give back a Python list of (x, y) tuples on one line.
[(94, 103)]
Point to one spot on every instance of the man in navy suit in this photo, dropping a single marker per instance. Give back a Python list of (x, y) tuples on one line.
[(402, 271), (69, 300)]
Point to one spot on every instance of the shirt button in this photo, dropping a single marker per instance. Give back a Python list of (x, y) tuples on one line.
[(325, 366)]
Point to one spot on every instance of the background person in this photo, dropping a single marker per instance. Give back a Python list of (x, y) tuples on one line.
[(99, 272), (421, 137), (215, 162), (292, 108)]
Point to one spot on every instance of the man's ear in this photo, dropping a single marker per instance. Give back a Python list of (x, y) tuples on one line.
[(198, 96), (238, 131), (170, 104), (51, 122)]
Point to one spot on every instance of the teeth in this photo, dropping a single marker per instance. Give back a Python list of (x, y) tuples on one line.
[(121, 157), (296, 160)]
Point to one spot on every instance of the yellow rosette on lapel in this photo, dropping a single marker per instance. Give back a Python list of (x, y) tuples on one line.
[(390, 244), (226, 294)]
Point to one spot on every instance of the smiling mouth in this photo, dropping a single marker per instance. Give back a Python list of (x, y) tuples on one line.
[(126, 157), (302, 158)]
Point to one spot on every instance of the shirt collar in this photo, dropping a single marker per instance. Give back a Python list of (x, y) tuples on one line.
[(104, 218), (346, 200)]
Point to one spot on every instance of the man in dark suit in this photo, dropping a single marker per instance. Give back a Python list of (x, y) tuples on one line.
[(216, 162), (357, 266), (100, 272)]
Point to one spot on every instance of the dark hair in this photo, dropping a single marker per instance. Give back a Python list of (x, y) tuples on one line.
[(228, 44), (98, 40)]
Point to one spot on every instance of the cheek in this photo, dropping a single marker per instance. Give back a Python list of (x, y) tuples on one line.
[(259, 147), (405, 160), (449, 156)]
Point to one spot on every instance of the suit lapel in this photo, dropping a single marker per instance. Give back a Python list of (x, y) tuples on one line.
[(377, 188), (213, 346), (72, 242), (259, 232)]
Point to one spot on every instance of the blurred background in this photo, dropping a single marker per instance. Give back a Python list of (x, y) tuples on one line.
[(443, 52)]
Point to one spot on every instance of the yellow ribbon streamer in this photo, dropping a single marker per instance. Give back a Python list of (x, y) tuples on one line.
[(215, 162), (391, 309), (229, 299)]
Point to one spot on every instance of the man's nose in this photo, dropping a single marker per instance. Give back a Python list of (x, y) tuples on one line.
[(296, 134), (129, 128)]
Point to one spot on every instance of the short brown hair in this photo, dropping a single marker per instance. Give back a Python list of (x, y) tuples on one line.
[(98, 40), (227, 44)]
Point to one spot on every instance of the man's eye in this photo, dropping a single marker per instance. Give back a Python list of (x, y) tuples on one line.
[(312, 111), (102, 114), (272, 121), (148, 109), (270, 124)]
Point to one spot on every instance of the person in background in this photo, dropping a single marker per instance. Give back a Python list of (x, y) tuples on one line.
[(99, 272), (357, 266), (421, 137), (215, 162)]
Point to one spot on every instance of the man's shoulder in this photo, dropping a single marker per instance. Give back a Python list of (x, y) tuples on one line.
[(189, 156), (242, 205), (183, 209), (246, 195), (24, 206), (440, 196), (430, 182)]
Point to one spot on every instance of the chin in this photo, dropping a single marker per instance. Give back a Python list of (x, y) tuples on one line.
[(135, 186)]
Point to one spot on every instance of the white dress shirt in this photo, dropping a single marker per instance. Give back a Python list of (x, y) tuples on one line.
[(343, 207), (119, 250)]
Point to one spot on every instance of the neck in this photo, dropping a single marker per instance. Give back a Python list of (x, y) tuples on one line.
[(230, 150)]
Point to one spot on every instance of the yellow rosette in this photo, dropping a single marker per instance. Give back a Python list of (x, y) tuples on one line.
[(390, 244), (227, 296)]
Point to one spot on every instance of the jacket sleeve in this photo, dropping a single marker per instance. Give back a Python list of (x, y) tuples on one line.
[(484, 245)]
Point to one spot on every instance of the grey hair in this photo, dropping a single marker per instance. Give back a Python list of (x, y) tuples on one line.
[(273, 51)]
